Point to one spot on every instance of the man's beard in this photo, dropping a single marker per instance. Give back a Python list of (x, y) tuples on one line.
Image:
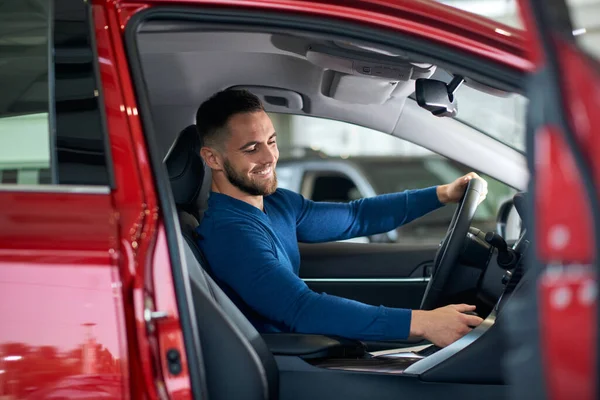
[(247, 185)]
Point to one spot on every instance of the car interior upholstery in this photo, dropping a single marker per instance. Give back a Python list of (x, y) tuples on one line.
[(232, 347)]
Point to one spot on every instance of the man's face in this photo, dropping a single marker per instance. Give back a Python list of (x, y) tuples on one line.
[(251, 153)]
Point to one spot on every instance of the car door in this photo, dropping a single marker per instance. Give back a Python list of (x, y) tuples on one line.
[(61, 306), (78, 212), (555, 323)]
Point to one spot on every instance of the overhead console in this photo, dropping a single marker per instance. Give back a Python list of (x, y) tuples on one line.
[(365, 77)]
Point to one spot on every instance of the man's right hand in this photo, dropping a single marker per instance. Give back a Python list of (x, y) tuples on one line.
[(443, 325)]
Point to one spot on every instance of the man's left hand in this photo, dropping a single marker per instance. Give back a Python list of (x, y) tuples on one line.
[(453, 192)]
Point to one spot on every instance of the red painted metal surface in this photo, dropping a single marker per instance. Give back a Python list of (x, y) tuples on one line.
[(128, 198), (425, 19), (135, 198), (169, 330), (568, 323), (571, 372), (61, 334), (568, 288), (564, 228)]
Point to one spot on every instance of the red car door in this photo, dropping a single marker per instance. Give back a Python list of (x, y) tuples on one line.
[(62, 330), (554, 330), (78, 215)]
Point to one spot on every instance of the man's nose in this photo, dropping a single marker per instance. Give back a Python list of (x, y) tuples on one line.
[(269, 155)]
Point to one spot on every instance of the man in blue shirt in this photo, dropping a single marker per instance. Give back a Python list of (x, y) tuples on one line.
[(251, 229)]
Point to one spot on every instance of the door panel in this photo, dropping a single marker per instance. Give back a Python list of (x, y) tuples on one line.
[(60, 301), (394, 275)]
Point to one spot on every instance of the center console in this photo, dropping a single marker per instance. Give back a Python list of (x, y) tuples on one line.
[(476, 357), (470, 368)]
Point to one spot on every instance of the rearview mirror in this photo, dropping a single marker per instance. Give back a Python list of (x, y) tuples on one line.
[(437, 96)]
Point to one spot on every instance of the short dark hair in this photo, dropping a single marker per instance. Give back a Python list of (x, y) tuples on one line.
[(212, 115)]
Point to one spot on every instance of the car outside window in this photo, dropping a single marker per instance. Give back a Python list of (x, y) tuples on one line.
[(51, 125), (351, 162), (501, 117)]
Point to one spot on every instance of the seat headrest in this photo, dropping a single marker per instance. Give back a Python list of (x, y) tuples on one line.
[(188, 173)]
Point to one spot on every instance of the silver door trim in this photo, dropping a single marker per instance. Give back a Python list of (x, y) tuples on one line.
[(365, 280), (75, 189)]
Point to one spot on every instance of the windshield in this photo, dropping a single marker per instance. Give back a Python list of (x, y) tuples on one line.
[(502, 118), (390, 175)]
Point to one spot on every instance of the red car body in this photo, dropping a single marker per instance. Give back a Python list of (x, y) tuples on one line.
[(80, 267)]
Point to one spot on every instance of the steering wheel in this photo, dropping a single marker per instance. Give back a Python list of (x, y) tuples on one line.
[(447, 255)]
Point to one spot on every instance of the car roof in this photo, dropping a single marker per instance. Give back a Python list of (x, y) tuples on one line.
[(489, 38)]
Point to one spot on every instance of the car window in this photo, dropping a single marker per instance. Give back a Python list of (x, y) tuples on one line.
[(327, 160), (333, 187), (501, 117), (51, 125)]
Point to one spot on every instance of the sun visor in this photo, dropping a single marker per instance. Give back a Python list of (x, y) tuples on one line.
[(359, 89), (365, 78)]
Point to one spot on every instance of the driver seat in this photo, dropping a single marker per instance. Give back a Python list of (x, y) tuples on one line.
[(238, 362)]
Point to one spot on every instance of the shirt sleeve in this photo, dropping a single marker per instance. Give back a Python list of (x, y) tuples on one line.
[(251, 267), (324, 221)]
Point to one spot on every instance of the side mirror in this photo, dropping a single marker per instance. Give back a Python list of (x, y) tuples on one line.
[(437, 96)]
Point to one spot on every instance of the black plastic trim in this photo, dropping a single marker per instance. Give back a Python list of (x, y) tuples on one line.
[(183, 290), (558, 13), (313, 346), (299, 380), (51, 95), (73, 29), (107, 151)]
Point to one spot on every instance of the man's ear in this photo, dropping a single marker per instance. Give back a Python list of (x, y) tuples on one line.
[(212, 158)]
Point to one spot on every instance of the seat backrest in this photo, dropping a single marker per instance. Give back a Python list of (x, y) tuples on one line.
[(238, 363)]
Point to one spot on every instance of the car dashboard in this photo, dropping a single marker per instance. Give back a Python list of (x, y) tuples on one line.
[(475, 358)]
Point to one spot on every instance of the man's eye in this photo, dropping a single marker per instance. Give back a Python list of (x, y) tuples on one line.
[(252, 150), (272, 142)]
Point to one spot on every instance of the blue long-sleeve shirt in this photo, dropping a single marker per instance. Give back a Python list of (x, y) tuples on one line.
[(254, 257)]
